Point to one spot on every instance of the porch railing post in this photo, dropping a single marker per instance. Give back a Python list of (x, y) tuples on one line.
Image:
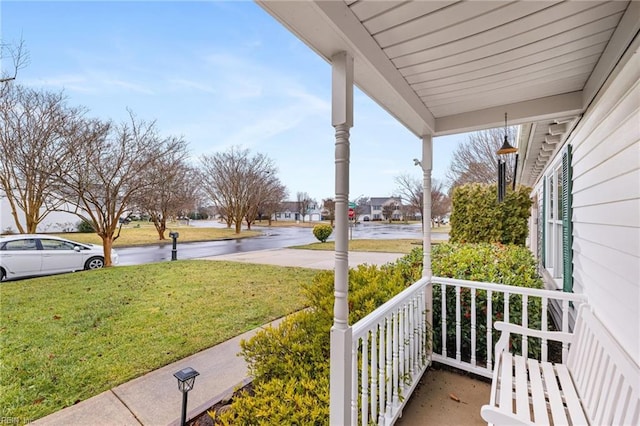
[(427, 166), (341, 333)]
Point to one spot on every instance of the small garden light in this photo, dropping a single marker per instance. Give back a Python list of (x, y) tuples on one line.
[(186, 378)]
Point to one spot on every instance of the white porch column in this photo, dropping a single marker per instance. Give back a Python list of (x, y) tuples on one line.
[(427, 166), (340, 361)]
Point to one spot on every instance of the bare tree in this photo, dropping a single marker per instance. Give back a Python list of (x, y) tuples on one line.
[(410, 191), (362, 206), (35, 130), (19, 59), (475, 160), (389, 207), (230, 178), (109, 172), (329, 205), (303, 203), (440, 202), (176, 190), (267, 193)]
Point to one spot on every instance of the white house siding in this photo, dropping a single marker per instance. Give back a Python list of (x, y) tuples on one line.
[(606, 206), (53, 222)]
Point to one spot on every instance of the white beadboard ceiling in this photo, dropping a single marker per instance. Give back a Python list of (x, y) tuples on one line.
[(445, 67)]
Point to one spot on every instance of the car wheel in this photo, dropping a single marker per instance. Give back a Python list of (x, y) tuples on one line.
[(3, 274), (94, 263)]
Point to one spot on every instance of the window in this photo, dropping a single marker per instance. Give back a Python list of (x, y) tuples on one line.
[(56, 245), (26, 244), (557, 233), (553, 222)]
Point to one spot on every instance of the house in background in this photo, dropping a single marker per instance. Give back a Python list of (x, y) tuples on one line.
[(377, 208), (567, 73), (289, 211), (57, 221)]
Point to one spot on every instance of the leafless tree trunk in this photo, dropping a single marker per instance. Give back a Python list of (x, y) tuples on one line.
[(109, 172), (329, 205), (36, 132), (303, 203), (232, 180), (176, 189)]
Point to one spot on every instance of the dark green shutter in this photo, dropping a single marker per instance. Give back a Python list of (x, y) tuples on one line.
[(567, 225), (543, 223)]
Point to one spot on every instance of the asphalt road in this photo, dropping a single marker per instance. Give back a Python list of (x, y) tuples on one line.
[(271, 239)]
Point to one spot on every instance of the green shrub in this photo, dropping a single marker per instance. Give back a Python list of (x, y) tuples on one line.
[(477, 217), (322, 232), (509, 265), (290, 363), (85, 227)]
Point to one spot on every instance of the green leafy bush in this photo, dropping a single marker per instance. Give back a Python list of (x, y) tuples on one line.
[(85, 227), (322, 232), (477, 217), (509, 265), (290, 363)]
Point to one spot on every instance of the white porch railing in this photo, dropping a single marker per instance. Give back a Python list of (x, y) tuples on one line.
[(391, 346), (463, 332), (389, 355)]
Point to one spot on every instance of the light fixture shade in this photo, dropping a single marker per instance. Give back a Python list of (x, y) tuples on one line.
[(186, 378), (506, 147)]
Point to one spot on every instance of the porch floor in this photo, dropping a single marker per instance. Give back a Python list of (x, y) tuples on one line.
[(432, 401)]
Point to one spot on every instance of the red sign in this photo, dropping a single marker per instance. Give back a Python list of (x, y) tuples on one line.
[(352, 214)]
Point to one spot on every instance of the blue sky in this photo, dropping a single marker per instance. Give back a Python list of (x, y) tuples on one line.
[(219, 74)]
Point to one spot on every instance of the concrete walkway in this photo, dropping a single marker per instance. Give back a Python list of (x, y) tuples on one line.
[(154, 399)]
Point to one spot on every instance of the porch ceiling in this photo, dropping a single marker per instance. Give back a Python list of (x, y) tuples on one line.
[(445, 67)]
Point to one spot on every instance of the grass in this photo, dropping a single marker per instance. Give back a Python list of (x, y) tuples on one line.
[(385, 246), (144, 233), (68, 337)]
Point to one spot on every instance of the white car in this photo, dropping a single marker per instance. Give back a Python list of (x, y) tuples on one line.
[(27, 255)]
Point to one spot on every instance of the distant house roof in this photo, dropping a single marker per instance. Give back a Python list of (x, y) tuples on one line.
[(379, 201)]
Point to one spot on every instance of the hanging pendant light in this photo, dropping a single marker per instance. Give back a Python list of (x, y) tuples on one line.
[(506, 146)]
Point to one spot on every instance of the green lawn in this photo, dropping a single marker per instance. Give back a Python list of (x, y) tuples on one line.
[(143, 233), (68, 337), (385, 246)]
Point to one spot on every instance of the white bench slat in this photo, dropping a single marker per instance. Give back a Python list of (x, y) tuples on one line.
[(555, 398), (599, 384), (506, 380), (538, 398), (612, 384), (576, 414), (522, 391)]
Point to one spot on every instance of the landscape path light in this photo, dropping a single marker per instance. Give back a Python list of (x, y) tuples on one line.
[(186, 378)]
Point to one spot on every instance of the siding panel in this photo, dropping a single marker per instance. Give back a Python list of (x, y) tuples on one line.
[(621, 213), (623, 162), (606, 215), (610, 191), (624, 239), (610, 259)]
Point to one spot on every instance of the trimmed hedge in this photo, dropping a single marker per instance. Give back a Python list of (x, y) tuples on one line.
[(290, 363), (509, 265), (477, 217)]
